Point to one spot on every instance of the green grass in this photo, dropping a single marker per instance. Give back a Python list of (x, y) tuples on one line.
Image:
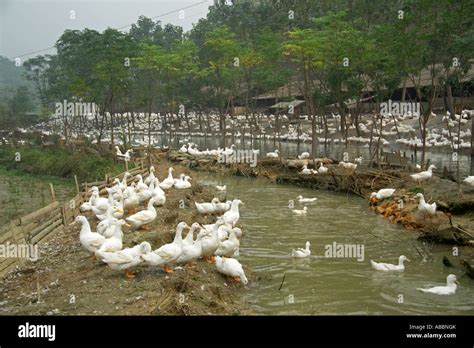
[(17, 173), (87, 165)]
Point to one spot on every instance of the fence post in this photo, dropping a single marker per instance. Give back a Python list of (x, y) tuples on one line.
[(53, 196), (63, 215), (77, 184)]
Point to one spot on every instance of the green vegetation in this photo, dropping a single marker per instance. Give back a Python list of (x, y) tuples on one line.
[(336, 50), (88, 166), (17, 94)]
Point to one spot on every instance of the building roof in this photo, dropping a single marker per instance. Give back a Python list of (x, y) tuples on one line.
[(285, 105), (293, 89)]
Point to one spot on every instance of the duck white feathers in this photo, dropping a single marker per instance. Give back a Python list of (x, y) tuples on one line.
[(382, 194), (449, 289), (380, 266), (91, 241), (231, 268), (302, 252), (169, 181), (427, 174), (144, 217), (425, 208), (306, 200), (126, 258)]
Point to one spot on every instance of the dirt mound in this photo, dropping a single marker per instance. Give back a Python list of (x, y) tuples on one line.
[(66, 281)]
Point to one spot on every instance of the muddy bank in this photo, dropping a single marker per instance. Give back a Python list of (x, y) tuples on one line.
[(65, 281), (453, 223)]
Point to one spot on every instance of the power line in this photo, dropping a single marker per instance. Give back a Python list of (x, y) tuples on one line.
[(125, 26)]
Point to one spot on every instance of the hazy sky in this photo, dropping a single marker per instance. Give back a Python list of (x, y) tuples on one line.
[(32, 25)]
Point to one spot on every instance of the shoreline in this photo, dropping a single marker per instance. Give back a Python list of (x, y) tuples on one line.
[(451, 225)]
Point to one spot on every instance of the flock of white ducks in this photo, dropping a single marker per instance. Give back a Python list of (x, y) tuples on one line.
[(216, 243)]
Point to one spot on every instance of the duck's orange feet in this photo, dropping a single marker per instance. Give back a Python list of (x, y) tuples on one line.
[(129, 274), (167, 269), (145, 227), (93, 257), (190, 265)]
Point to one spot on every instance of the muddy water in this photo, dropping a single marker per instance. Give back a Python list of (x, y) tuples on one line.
[(439, 157), (335, 285)]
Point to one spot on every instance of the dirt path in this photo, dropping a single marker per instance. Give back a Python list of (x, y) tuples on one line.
[(65, 281)]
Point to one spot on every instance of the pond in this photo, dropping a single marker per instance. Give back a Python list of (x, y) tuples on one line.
[(324, 285)]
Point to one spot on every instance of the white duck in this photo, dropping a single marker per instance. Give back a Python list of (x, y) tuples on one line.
[(131, 201), (151, 177), (424, 207), (469, 180), (99, 204), (220, 207), (231, 268), (304, 155), (169, 181), (144, 192), (144, 217), (232, 216), (273, 154), (449, 289), (183, 183), (113, 243), (427, 174), (189, 239), (205, 208), (348, 165), (106, 226), (298, 212), (87, 206), (191, 252), (225, 231), (167, 253), (301, 252), (91, 241), (306, 200), (183, 149), (211, 243), (123, 184), (125, 259), (382, 194), (227, 248), (322, 169), (221, 188), (158, 194), (306, 171), (380, 266)]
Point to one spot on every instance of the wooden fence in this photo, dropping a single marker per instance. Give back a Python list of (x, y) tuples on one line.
[(40, 225)]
